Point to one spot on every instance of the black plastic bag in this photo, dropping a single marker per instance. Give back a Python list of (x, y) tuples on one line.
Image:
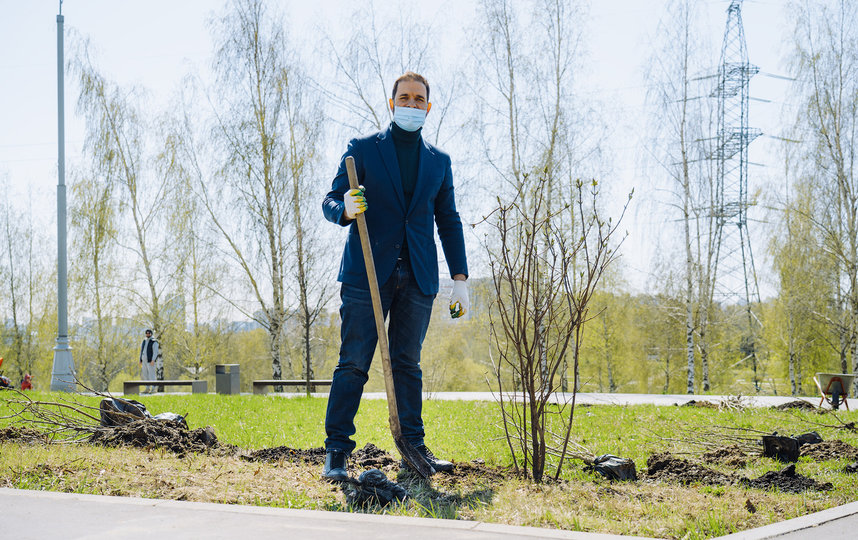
[(781, 448), (118, 411), (615, 468), (373, 487), (811, 437)]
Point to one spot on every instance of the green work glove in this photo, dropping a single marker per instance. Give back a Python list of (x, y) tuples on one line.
[(355, 202), (459, 302)]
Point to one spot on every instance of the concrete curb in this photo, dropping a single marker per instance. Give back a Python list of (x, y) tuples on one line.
[(830, 524)]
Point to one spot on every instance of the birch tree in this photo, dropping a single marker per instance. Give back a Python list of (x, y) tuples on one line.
[(94, 216), (116, 139), (825, 61), (804, 274), (200, 270), (680, 126), (23, 278), (267, 129)]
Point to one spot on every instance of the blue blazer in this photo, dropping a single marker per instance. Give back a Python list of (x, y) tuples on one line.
[(389, 221)]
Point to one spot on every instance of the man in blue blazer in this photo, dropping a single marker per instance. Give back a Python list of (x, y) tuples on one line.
[(406, 190)]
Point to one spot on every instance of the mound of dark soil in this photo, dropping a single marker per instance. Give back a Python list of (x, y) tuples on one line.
[(476, 469), (797, 404), (373, 457), (22, 434), (731, 456), (786, 480), (667, 467), (700, 404), (368, 457), (826, 450), (313, 456), (149, 433)]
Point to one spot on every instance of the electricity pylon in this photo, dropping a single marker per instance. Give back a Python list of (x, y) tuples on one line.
[(735, 277)]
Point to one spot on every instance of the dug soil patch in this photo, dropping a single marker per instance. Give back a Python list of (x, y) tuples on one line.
[(827, 450), (474, 470), (701, 404), (373, 457), (667, 467), (368, 457), (673, 469), (731, 456), (314, 456), (22, 434), (786, 480), (148, 433), (799, 404)]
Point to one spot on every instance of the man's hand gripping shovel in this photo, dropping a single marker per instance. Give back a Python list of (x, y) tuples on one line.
[(410, 454)]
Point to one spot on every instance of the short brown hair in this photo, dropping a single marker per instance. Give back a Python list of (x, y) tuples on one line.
[(411, 76)]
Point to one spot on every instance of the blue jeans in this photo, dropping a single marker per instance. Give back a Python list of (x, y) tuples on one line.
[(409, 311)]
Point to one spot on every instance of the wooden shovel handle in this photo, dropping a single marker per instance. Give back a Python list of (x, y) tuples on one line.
[(384, 349)]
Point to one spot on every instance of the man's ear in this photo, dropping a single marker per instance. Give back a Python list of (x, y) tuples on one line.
[(390, 100), (428, 107)]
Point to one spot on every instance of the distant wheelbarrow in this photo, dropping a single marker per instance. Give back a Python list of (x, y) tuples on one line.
[(835, 385)]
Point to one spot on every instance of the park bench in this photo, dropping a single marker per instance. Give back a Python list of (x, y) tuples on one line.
[(133, 387), (261, 386)]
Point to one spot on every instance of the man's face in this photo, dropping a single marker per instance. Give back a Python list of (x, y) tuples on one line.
[(148, 334), (411, 94)]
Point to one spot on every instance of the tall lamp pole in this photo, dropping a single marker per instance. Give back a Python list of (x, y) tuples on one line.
[(62, 375)]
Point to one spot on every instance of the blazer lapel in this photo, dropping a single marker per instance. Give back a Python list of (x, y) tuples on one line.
[(426, 163), (391, 163)]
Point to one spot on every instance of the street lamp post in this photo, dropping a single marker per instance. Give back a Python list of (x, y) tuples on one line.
[(63, 374)]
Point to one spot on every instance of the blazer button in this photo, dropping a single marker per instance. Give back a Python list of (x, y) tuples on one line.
[(396, 246)]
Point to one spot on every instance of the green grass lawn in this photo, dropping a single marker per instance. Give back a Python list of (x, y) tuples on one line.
[(463, 432)]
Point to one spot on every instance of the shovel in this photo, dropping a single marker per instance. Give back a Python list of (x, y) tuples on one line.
[(410, 454)]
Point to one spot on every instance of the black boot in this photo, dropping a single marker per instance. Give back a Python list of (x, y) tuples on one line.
[(336, 465), (438, 464)]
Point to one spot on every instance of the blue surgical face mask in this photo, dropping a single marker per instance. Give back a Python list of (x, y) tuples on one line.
[(408, 118)]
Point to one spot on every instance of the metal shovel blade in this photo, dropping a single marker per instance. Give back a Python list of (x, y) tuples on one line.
[(414, 458)]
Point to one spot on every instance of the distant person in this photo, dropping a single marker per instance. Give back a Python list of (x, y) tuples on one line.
[(26, 383), (148, 356)]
